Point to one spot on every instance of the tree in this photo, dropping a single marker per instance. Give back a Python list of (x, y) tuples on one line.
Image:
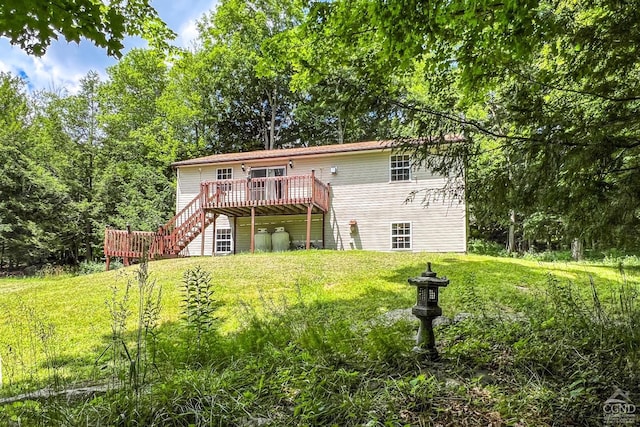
[(33, 201), (136, 178), (249, 93), (33, 24), (337, 105), (551, 88), (78, 119)]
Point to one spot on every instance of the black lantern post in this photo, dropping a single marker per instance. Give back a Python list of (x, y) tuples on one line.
[(427, 309)]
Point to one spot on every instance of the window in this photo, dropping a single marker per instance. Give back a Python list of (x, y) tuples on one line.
[(401, 235), (221, 175), (223, 240), (400, 168), (225, 173)]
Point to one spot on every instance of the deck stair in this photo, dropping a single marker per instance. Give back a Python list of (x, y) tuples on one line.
[(271, 196), (167, 242)]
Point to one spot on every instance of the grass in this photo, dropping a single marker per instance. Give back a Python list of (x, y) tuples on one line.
[(295, 343)]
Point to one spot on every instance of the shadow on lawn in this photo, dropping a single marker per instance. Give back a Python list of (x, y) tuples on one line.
[(510, 285), (477, 283)]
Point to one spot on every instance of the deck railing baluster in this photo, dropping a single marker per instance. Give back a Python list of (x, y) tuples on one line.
[(233, 194)]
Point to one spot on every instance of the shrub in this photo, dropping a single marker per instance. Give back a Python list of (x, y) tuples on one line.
[(92, 267), (549, 256), (486, 247)]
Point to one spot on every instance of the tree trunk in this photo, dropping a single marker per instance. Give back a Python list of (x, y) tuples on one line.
[(87, 218), (2, 256), (511, 244), (272, 122), (577, 249), (264, 130), (87, 241)]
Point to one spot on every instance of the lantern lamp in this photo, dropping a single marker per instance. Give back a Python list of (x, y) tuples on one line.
[(427, 309)]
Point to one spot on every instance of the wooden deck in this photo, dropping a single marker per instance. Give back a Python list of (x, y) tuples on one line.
[(127, 244), (285, 195)]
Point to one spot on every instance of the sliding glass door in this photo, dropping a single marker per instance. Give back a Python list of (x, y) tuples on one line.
[(267, 189)]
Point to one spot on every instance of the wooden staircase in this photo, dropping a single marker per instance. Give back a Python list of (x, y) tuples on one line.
[(168, 241), (270, 196)]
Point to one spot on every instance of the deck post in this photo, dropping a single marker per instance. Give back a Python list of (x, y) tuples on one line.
[(108, 263), (235, 233), (253, 228), (202, 223), (323, 232), (161, 240), (309, 209), (312, 185), (213, 242), (202, 217), (125, 259)]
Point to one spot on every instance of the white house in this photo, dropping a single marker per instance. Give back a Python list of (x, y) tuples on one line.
[(346, 196)]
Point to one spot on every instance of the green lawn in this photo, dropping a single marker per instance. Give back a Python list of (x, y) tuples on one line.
[(67, 318), (362, 284)]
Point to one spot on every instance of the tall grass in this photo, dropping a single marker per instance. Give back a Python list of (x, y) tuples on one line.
[(536, 348)]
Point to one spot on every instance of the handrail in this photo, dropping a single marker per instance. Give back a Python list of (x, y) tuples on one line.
[(174, 231), (321, 194), (280, 190), (123, 243), (182, 228)]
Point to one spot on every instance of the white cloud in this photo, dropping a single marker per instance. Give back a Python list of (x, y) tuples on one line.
[(61, 67), (187, 34), (188, 29)]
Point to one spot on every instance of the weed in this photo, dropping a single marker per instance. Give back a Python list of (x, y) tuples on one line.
[(131, 368), (147, 326), (51, 270), (119, 313), (34, 344), (198, 304)]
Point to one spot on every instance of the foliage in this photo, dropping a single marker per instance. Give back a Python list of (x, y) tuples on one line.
[(33, 24), (308, 331), (31, 196), (96, 267), (544, 92), (483, 247), (198, 305), (252, 106), (68, 141), (78, 163), (590, 336)]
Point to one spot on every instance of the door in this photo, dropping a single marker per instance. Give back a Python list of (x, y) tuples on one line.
[(267, 189)]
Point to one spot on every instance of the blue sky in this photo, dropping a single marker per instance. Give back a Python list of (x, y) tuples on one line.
[(65, 64)]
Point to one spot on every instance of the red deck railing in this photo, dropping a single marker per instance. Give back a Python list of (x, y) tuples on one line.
[(280, 190), (129, 244), (171, 238), (184, 226)]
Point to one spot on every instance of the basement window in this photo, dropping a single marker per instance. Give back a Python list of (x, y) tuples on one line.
[(223, 241), (401, 235), (400, 168)]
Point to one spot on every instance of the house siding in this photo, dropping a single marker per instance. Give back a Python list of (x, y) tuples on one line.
[(361, 191)]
